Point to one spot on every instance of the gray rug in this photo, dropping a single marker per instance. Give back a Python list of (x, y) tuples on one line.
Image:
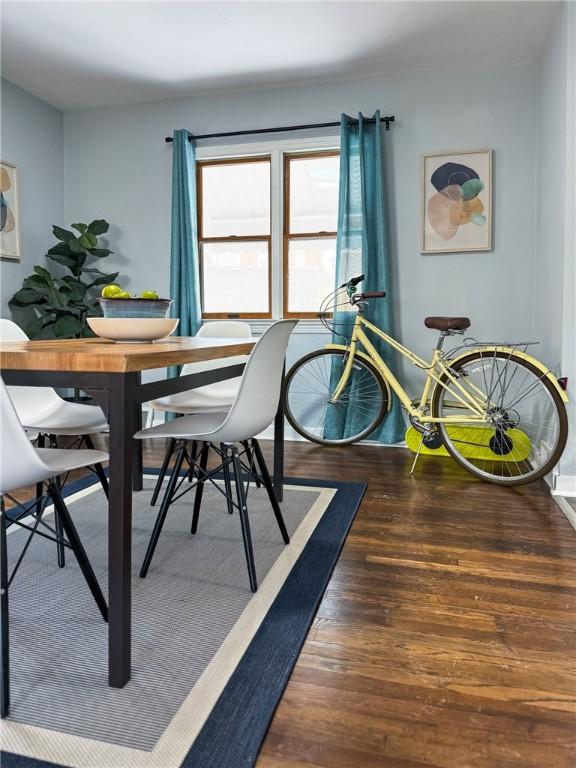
[(195, 591)]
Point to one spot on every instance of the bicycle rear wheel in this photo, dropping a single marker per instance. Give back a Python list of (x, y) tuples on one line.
[(525, 427), (358, 411)]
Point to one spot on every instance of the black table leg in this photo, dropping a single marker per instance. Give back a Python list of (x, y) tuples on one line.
[(137, 445), (279, 443), (121, 418)]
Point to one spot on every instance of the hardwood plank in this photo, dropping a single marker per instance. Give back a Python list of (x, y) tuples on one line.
[(448, 629)]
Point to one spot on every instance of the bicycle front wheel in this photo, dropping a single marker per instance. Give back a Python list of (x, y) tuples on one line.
[(360, 408), (525, 424)]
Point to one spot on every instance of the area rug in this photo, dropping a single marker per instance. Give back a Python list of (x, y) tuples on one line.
[(210, 659)]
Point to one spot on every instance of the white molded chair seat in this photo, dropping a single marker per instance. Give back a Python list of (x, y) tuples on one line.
[(62, 460), (213, 397), (255, 405), (41, 409), (206, 426), (63, 418), (251, 412)]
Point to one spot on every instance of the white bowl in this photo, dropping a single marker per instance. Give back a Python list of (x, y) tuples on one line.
[(133, 329)]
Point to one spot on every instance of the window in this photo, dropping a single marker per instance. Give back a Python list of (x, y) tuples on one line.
[(267, 232), (234, 237), (310, 223)]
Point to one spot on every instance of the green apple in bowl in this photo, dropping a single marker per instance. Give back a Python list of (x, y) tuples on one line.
[(111, 291)]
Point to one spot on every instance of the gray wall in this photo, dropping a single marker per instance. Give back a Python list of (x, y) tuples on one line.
[(554, 282), (31, 137), (550, 195), (118, 166)]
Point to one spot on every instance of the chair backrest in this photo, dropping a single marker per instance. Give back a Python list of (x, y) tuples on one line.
[(224, 329), (26, 398), (257, 400), (20, 465)]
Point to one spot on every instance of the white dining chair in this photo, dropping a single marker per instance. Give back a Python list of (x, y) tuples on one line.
[(21, 465), (251, 412), (213, 398), (43, 412)]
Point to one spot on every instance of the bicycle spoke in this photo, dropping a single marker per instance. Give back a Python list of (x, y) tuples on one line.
[(522, 432), (311, 409)]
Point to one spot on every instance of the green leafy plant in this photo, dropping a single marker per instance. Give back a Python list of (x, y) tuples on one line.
[(61, 303)]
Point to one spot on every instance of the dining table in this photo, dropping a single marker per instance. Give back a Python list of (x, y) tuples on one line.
[(111, 373)]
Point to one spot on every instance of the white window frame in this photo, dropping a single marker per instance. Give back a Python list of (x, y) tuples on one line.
[(275, 149)]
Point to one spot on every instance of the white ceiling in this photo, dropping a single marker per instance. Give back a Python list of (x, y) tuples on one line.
[(88, 54)]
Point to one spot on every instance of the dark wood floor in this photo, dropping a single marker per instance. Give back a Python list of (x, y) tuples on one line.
[(447, 635)]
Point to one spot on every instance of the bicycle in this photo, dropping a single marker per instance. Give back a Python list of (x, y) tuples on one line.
[(498, 411)]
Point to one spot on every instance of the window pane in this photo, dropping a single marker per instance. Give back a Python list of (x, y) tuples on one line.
[(235, 277), (236, 199), (314, 194), (311, 266)]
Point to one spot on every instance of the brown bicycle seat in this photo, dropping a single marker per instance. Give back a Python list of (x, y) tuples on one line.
[(447, 323)]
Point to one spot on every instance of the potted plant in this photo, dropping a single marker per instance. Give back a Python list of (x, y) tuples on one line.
[(61, 303)]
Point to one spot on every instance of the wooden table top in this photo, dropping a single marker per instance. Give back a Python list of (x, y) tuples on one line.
[(111, 357)]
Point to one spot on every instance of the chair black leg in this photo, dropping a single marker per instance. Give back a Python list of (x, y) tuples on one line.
[(248, 450), (166, 501), (60, 535), (227, 481), (98, 468), (163, 471), (60, 550), (193, 455), (40, 486), (200, 487), (78, 548), (265, 475), (4, 635), (244, 522)]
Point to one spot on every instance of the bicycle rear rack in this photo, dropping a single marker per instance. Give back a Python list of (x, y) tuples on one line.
[(470, 343)]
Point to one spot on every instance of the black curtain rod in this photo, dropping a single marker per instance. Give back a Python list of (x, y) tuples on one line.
[(389, 119)]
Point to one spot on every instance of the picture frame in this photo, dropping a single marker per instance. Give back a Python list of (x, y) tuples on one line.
[(9, 212), (456, 201)]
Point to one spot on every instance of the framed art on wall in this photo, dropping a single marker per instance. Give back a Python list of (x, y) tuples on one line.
[(9, 212), (456, 201)]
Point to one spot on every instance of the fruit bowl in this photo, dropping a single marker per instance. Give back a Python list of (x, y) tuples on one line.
[(133, 329), (135, 308)]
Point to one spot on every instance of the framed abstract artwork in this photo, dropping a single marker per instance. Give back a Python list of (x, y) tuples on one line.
[(456, 201), (9, 212)]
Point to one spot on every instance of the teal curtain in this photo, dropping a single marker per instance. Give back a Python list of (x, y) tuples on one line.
[(362, 247), (184, 262)]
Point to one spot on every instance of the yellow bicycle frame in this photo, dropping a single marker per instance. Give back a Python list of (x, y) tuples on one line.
[(439, 367)]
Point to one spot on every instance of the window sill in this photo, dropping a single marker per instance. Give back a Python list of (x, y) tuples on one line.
[(306, 325)]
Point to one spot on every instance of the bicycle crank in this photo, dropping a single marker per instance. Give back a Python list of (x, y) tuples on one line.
[(430, 435)]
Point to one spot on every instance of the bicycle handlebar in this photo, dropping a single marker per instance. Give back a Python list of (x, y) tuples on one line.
[(353, 281)]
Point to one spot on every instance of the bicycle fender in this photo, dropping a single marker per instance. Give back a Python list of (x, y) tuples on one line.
[(364, 356), (509, 351)]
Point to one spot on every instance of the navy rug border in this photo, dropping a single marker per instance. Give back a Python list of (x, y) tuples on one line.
[(236, 728)]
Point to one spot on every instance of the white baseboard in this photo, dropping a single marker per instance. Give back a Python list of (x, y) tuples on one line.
[(290, 435), (565, 485), (566, 509)]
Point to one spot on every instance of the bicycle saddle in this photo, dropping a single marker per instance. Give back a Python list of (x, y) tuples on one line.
[(447, 323)]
